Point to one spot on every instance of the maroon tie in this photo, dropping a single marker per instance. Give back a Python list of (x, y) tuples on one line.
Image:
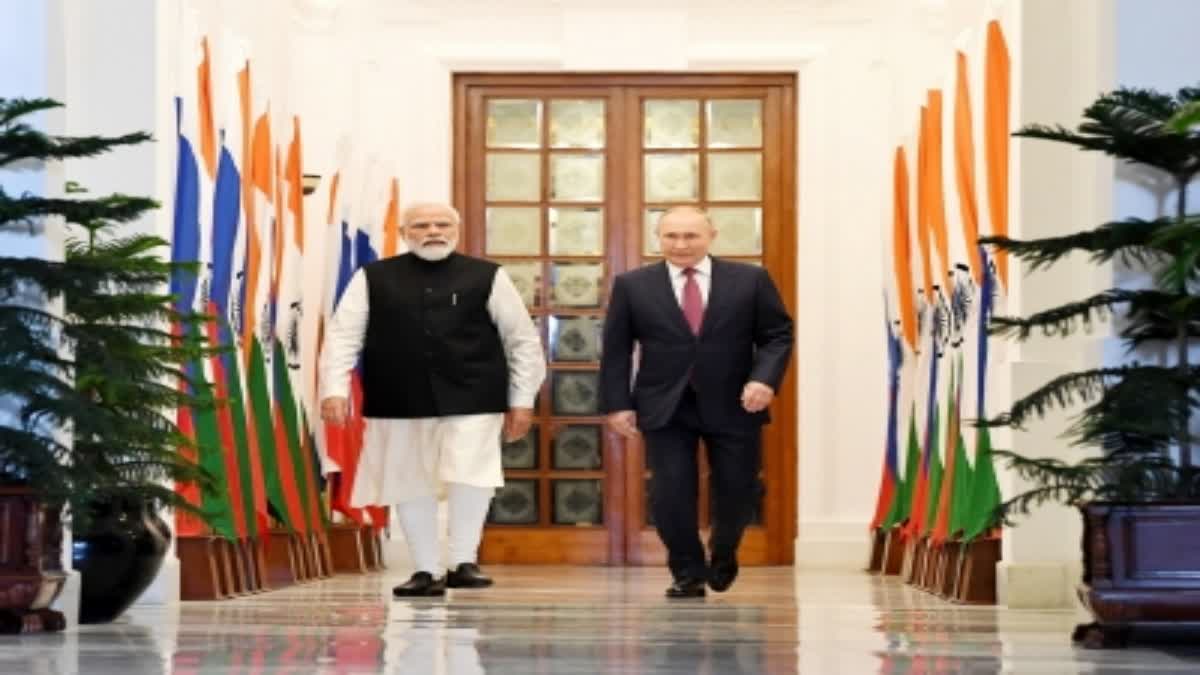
[(693, 304)]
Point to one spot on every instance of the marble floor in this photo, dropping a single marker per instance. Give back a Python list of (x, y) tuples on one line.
[(584, 620)]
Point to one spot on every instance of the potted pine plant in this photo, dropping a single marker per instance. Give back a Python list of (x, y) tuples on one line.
[(1138, 488), (92, 370)]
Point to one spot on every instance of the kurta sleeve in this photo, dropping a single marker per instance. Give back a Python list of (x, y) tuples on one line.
[(522, 344), (344, 338)]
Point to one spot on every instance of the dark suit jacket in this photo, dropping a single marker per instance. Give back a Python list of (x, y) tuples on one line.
[(746, 335)]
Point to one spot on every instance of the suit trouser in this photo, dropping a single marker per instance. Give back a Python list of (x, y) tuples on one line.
[(734, 458)]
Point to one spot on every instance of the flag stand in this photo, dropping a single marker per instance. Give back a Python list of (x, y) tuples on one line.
[(951, 553), (201, 577), (915, 562), (349, 548), (893, 552), (977, 576), (878, 539)]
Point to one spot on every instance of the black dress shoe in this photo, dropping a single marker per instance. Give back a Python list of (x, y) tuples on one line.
[(722, 573), (422, 584), (686, 587), (467, 575)]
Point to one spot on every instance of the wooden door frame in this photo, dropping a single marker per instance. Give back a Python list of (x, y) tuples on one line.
[(779, 259)]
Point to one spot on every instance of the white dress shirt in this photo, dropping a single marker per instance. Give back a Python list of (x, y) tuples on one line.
[(703, 279), (522, 343)]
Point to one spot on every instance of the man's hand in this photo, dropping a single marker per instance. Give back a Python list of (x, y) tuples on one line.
[(756, 396), (516, 423), (335, 410), (624, 422)]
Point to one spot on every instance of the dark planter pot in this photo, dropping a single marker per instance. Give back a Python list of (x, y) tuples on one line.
[(117, 558), (31, 573), (1141, 572)]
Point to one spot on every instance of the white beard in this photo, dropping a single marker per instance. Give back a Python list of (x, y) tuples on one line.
[(433, 253)]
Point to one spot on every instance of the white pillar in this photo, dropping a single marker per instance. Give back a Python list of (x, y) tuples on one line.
[(116, 80), (1063, 61)]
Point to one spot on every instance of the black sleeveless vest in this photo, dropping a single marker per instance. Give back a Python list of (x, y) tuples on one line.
[(431, 347)]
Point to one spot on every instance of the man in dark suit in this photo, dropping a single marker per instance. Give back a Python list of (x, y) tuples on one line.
[(714, 341)]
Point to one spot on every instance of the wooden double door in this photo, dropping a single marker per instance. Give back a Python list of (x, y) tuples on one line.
[(561, 177)]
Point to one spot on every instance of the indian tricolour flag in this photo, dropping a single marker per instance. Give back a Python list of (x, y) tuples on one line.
[(196, 170)]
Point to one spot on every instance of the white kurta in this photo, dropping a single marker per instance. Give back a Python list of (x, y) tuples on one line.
[(403, 459)]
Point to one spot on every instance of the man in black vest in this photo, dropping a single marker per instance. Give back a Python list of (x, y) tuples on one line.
[(714, 339), (450, 362)]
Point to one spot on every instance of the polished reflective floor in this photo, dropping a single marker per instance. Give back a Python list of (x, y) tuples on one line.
[(585, 620)]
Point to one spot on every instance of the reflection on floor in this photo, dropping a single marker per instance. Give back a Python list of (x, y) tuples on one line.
[(585, 620)]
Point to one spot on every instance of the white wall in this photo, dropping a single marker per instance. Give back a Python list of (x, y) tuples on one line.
[(1155, 44), (845, 139), (1153, 49), (25, 39)]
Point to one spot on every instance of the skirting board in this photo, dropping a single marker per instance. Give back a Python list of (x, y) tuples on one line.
[(832, 545), (1044, 585)]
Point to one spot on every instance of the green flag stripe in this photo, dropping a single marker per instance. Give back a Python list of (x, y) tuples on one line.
[(264, 426), (964, 473), (215, 500), (935, 476), (902, 504), (238, 407), (960, 499), (311, 467), (985, 492), (287, 406)]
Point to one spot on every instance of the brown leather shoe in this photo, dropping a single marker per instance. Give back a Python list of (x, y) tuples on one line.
[(422, 584), (467, 575)]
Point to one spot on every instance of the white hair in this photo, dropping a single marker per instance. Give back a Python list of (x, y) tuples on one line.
[(412, 209)]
